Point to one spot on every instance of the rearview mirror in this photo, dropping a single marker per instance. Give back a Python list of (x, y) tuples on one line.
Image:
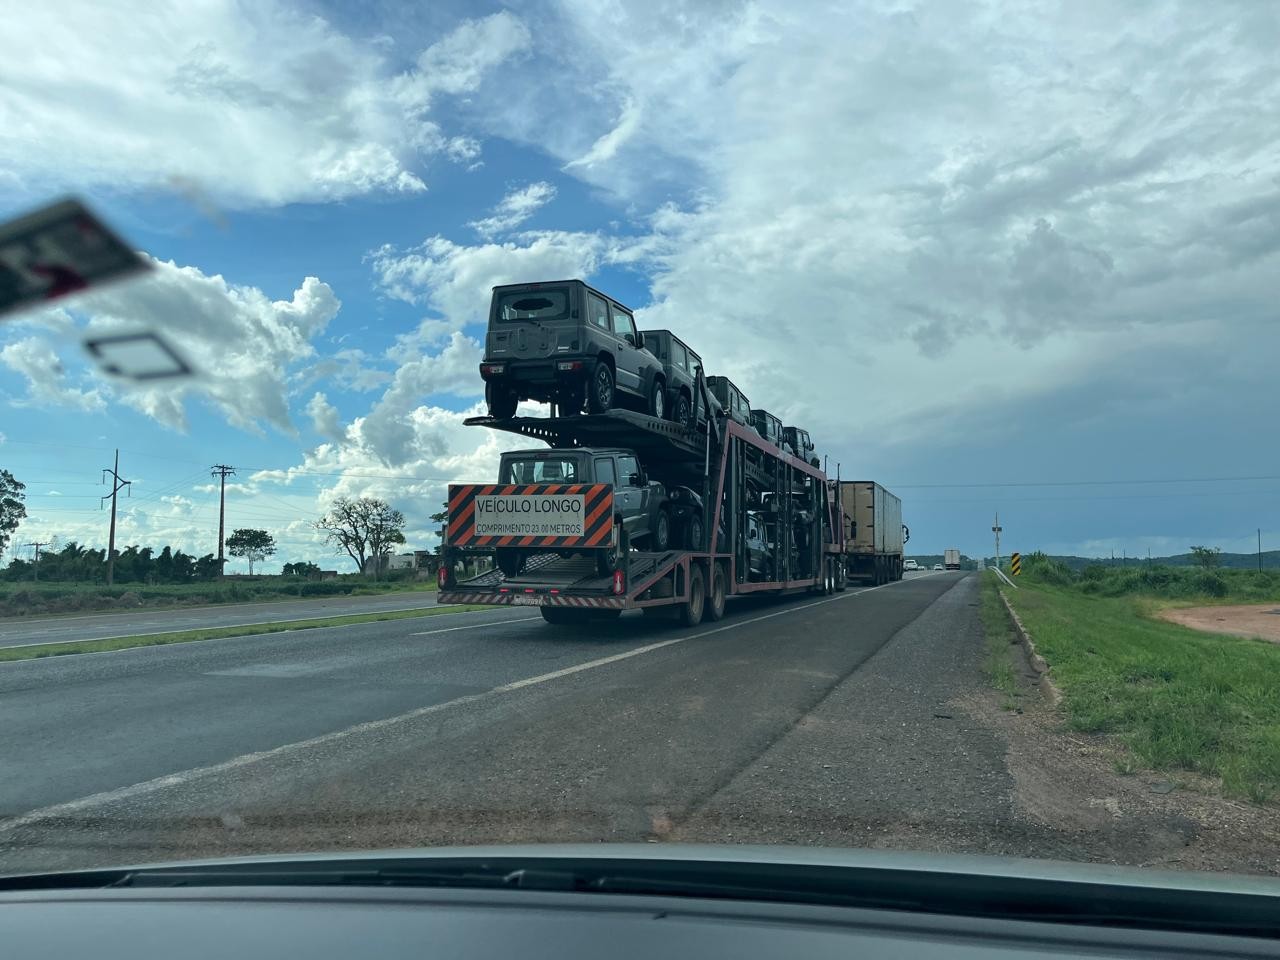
[(639, 341), (636, 480)]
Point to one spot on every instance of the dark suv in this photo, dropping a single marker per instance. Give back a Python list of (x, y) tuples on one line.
[(680, 367), (731, 400), (643, 506), (800, 443), (770, 427), (566, 343)]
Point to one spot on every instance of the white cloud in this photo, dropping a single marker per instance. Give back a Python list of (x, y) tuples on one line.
[(36, 359), (325, 418), (251, 104), (514, 209)]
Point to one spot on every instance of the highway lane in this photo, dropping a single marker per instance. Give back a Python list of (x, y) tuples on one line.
[(92, 626), (411, 732)]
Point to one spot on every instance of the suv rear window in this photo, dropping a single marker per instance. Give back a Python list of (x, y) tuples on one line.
[(540, 470), (549, 304)]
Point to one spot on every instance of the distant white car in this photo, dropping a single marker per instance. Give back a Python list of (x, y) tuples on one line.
[(910, 565), (937, 566)]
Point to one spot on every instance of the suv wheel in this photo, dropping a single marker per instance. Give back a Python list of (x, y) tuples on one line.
[(693, 533), (600, 398), (683, 413), (502, 401), (658, 400), (662, 530), (610, 559)]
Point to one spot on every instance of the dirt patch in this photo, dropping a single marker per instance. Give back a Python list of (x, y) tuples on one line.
[(1068, 784), (1257, 620)]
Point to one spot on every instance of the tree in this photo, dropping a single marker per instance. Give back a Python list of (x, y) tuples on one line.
[(207, 567), (363, 528), (1207, 557), (253, 545), (12, 508), (303, 568)]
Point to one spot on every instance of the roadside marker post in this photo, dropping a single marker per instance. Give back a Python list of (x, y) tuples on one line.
[(1015, 564)]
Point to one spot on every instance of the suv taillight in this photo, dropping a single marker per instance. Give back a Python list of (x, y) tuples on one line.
[(619, 582), (566, 365), (492, 369)]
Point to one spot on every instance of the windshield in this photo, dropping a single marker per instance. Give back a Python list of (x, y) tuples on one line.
[(340, 508), (542, 304)]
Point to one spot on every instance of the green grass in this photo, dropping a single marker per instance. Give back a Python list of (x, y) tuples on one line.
[(1177, 698), (998, 664), (43, 599), (222, 633), (1184, 584)]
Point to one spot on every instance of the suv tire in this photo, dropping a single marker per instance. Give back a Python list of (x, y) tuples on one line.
[(693, 537), (569, 400), (502, 401), (658, 399), (683, 411), (715, 600), (661, 541), (610, 559), (600, 394)]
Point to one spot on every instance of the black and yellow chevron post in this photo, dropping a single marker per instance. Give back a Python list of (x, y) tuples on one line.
[(1015, 564)]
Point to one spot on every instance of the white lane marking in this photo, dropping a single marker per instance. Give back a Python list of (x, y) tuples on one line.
[(235, 763), (472, 626)]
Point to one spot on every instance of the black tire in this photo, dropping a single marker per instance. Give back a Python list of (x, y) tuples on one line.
[(715, 608), (510, 562), (693, 533), (658, 399), (600, 394), (608, 560), (691, 609), (682, 412), (660, 541), (562, 615), (502, 401), (842, 580)]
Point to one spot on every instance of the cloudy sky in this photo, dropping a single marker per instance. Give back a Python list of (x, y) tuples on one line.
[(1014, 256)]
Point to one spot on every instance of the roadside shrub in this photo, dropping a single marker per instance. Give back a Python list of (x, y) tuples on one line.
[(1209, 582), (1038, 566)]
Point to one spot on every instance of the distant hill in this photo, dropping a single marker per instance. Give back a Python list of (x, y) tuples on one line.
[(1227, 561)]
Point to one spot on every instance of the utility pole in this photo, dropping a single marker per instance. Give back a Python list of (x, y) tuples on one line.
[(996, 530), (1259, 549), (117, 485), (35, 564), (221, 471)]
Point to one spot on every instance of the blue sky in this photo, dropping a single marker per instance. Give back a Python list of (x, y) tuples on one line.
[(975, 250)]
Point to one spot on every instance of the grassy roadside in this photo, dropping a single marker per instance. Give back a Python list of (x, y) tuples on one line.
[(221, 633), (999, 660), (1178, 699), (28, 599)]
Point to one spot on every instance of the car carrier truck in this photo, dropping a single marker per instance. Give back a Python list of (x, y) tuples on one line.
[(769, 522), (874, 535)]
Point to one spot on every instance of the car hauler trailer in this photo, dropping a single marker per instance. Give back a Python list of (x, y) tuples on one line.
[(771, 524), (874, 535)]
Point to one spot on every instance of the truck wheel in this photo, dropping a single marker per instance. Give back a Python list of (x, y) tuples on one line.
[(715, 608), (609, 560), (510, 562), (691, 609), (658, 399), (502, 401), (562, 615), (683, 413), (841, 580), (662, 531)]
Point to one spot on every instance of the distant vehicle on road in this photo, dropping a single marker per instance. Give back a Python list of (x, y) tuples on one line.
[(910, 565), (563, 343), (951, 559), (937, 566), (874, 532)]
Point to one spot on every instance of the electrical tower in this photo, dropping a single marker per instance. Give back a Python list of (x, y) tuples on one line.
[(117, 484), (221, 471), (35, 564)]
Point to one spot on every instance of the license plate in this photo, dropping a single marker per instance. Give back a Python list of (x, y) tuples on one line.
[(525, 600)]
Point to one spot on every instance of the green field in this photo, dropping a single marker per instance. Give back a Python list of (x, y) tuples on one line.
[(40, 599), (41, 651), (1177, 698)]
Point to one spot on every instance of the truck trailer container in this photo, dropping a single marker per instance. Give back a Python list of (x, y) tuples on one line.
[(951, 559), (773, 523), (874, 535)]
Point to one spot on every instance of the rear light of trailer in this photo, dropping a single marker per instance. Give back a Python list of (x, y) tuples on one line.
[(619, 583), (442, 576), (565, 366)]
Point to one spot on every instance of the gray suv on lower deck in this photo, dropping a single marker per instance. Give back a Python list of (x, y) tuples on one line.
[(567, 344)]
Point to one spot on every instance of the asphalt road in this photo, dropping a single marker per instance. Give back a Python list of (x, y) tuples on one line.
[(498, 727), (95, 626)]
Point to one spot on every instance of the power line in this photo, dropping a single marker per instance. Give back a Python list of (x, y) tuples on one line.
[(1075, 483)]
